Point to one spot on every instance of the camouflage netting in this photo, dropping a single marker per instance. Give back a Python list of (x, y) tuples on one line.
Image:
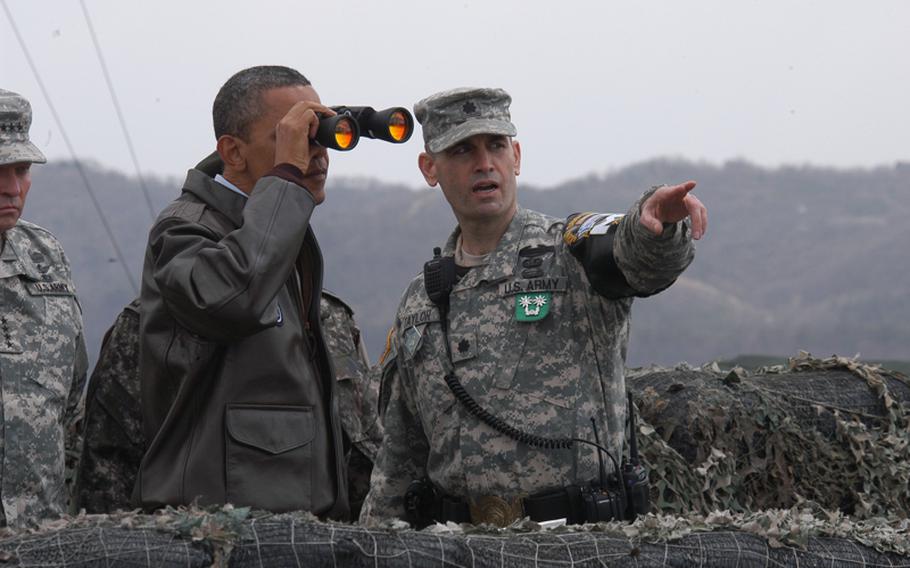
[(834, 432), (808, 462)]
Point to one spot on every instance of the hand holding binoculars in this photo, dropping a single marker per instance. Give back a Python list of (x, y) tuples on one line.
[(343, 131)]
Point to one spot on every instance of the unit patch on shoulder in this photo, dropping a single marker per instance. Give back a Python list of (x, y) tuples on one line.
[(582, 225), (532, 307), (388, 347)]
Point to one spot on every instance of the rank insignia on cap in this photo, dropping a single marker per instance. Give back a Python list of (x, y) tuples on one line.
[(469, 108), (532, 307)]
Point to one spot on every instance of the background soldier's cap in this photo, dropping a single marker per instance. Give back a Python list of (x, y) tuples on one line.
[(15, 120), (451, 116)]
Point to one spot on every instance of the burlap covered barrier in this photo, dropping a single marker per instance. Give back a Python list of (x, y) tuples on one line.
[(237, 538), (809, 462), (833, 431)]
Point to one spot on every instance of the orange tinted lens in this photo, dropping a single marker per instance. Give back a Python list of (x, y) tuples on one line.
[(398, 126), (344, 134)]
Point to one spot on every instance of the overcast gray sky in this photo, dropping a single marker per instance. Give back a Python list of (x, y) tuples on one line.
[(596, 85)]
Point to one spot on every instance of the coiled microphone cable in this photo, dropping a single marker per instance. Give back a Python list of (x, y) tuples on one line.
[(503, 427)]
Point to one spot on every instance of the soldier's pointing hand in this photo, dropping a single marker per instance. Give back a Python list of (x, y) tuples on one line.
[(671, 204)]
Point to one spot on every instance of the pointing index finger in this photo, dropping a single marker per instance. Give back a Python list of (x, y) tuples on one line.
[(684, 187)]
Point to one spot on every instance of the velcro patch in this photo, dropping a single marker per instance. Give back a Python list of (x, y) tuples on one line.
[(9, 340), (49, 289), (543, 284), (582, 225), (419, 317), (532, 307)]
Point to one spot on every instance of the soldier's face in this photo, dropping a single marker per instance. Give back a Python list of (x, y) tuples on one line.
[(477, 176), (259, 148), (15, 181)]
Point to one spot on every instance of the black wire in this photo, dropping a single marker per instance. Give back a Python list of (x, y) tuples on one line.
[(126, 133), (507, 429), (500, 425), (600, 455), (66, 140)]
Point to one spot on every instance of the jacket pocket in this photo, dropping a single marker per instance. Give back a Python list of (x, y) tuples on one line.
[(268, 456)]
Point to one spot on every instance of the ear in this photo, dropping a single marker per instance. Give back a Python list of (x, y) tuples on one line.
[(516, 147), (231, 153), (427, 165)]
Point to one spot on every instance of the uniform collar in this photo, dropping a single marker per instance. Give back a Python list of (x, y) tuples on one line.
[(501, 262), (14, 260)]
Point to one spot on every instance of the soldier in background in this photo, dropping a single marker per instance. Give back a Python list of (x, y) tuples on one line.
[(519, 336), (114, 441), (357, 394), (42, 345)]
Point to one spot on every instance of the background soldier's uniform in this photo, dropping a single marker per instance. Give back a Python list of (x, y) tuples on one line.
[(42, 373), (538, 337), (357, 394), (114, 442)]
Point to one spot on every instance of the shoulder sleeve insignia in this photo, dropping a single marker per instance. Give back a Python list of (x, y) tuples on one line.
[(580, 226), (388, 347)]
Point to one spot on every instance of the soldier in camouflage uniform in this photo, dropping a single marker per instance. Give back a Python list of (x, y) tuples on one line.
[(42, 347), (535, 329), (114, 441), (357, 394)]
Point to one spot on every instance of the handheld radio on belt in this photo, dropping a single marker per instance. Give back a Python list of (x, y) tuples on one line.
[(622, 496)]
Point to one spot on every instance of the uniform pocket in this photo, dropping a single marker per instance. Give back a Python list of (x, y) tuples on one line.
[(268, 456)]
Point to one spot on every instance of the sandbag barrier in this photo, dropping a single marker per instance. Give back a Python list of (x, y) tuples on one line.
[(294, 543), (810, 463), (104, 546), (192, 538)]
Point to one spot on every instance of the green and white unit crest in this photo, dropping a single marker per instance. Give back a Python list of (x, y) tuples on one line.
[(532, 307)]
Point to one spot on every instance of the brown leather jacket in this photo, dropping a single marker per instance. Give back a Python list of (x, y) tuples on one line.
[(237, 389)]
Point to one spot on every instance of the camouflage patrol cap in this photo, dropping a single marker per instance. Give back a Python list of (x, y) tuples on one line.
[(15, 120), (451, 116)]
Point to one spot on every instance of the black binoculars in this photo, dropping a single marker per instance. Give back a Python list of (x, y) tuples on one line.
[(343, 131)]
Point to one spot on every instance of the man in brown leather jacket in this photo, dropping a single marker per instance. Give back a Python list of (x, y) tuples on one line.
[(237, 389)]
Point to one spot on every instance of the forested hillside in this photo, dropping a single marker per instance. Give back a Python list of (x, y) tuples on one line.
[(795, 258)]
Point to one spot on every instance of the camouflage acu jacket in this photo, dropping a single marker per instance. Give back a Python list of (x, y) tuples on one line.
[(537, 337), (42, 374), (357, 394)]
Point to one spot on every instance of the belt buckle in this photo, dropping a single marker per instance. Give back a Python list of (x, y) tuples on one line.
[(494, 510)]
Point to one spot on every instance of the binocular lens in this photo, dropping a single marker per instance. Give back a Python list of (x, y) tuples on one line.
[(344, 134), (338, 132), (343, 131), (398, 126)]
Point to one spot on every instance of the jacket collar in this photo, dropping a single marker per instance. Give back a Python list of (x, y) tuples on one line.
[(14, 260), (218, 197)]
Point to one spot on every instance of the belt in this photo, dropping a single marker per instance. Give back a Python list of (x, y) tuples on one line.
[(565, 503)]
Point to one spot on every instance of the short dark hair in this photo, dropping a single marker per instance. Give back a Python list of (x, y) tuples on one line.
[(239, 101)]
